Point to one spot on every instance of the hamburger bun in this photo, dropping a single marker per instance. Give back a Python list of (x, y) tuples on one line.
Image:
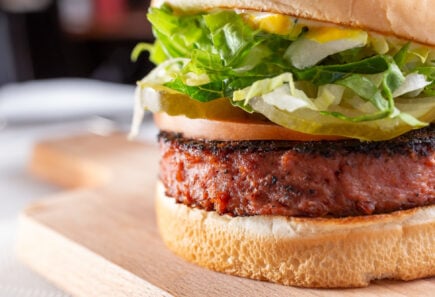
[(289, 188), (323, 252), (401, 18), (306, 252)]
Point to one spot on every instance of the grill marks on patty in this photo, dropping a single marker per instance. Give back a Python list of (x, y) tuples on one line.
[(315, 179)]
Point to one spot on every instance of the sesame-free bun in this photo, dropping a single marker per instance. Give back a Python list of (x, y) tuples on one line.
[(306, 252), (407, 19)]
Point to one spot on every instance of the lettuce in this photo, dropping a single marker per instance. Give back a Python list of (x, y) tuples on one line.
[(414, 83), (209, 56), (301, 58), (429, 72)]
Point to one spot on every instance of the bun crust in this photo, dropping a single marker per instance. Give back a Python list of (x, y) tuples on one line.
[(305, 252), (405, 19)]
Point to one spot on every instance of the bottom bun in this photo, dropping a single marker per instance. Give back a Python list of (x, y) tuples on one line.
[(305, 252)]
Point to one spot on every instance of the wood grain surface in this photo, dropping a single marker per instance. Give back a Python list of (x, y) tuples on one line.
[(99, 238)]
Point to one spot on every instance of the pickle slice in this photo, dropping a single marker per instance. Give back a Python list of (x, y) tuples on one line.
[(312, 122), (302, 120)]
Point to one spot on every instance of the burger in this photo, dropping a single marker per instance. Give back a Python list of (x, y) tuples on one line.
[(296, 137)]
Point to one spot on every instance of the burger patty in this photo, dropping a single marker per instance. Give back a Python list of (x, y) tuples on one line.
[(290, 178)]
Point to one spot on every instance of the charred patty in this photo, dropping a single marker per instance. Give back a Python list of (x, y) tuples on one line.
[(289, 178)]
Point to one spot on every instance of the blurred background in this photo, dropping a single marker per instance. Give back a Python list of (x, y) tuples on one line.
[(42, 39), (65, 69)]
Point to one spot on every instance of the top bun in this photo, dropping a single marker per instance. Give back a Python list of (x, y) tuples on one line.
[(406, 19)]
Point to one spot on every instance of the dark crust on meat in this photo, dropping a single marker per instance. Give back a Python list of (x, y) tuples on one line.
[(419, 142), (291, 178)]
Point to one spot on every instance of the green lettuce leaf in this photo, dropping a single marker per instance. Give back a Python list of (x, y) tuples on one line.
[(429, 72), (210, 56)]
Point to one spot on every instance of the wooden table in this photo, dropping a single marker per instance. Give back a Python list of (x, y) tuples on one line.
[(100, 238)]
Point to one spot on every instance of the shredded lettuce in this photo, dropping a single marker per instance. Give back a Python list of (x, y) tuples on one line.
[(329, 95), (306, 52), (262, 87), (413, 85), (349, 84)]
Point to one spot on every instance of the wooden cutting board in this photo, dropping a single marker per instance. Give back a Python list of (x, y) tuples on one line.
[(99, 238)]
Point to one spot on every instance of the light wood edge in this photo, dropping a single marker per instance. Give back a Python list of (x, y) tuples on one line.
[(55, 256), (47, 161)]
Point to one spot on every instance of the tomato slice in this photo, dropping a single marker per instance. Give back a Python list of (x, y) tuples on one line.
[(232, 129)]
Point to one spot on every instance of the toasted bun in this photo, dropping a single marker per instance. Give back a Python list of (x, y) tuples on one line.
[(405, 19), (336, 252)]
